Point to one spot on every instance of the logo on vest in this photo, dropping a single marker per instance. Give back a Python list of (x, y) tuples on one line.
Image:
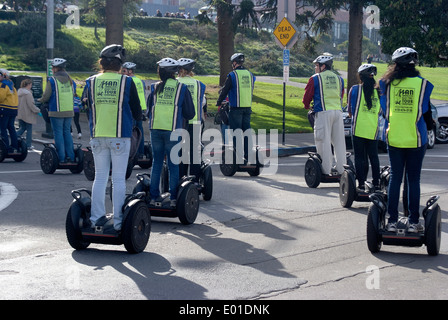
[(108, 90), (404, 99), (330, 82)]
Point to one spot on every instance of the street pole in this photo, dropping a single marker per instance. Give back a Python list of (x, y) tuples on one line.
[(50, 48)]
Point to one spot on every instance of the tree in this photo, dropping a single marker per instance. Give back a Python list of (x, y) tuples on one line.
[(420, 24), (114, 22), (226, 36), (354, 41)]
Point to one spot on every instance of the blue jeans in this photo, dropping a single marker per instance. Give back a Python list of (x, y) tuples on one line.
[(106, 151), (63, 138), (409, 161), (161, 146), (7, 125), (28, 127)]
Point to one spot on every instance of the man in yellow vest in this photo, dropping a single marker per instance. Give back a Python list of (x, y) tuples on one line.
[(197, 90), (326, 89), (9, 102), (59, 94), (128, 68)]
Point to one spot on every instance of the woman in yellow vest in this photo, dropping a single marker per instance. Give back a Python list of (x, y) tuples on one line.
[(113, 107), (59, 94), (197, 90), (170, 106), (364, 107), (405, 102)]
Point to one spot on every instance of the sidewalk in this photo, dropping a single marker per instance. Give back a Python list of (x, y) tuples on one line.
[(295, 143)]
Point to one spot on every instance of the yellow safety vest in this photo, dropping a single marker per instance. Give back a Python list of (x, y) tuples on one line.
[(165, 107), (330, 88), (365, 124)]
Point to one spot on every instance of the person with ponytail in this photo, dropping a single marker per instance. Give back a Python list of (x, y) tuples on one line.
[(364, 107), (169, 106), (405, 102)]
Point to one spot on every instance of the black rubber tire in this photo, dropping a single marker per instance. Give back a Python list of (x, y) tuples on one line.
[(49, 160), (373, 237), (433, 233), (74, 235), (313, 173), (23, 151), (89, 165), (137, 228), (188, 204), (206, 180), (79, 158), (347, 190)]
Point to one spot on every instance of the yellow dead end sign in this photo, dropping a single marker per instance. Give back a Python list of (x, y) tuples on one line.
[(285, 32)]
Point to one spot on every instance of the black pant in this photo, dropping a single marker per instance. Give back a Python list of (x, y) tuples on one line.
[(365, 150)]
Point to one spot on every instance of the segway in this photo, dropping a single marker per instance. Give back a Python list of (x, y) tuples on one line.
[(18, 156), (229, 169), (378, 235), (348, 192), (187, 204), (145, 161), (49, 160), (136, 226), (313, 171)]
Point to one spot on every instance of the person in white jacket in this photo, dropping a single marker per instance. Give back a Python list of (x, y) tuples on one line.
[(27, 111)]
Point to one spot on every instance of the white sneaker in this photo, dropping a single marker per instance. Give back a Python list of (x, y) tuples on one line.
[(416, 227), (391, 227), (79, 135)]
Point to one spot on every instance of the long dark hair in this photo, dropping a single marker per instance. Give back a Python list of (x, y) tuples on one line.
[(368, 87), (400, 71), (164, 75)]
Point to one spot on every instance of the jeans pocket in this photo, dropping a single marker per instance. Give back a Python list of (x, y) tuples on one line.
[(118, 146), (95, 145)]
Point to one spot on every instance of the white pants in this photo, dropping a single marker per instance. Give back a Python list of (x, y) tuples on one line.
[(105, 151), (329, 130)]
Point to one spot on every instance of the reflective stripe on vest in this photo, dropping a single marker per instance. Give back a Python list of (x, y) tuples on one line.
[(365, 124), (330, 87), (403, 111), (244, 88), (194, 88), (165, 106), (64, 95), (141, 92), (107, 90)]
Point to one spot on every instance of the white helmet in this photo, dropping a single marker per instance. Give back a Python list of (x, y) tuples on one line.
[(326, 58), (187, 64), (405, 55), (129, 65), (367, 69), (59, 62), (237, 57), (168, 64), (4, 72)]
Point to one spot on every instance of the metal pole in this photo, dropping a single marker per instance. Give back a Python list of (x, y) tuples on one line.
[(284, 94), (50, 47)]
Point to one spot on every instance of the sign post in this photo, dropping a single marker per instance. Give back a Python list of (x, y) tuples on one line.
[(286, 36)]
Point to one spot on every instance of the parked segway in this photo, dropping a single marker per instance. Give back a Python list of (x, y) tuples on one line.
[(313, 171), (229, 169), (348, 192), (49, 160), (376, 227), (136, 227), (18, 156), (187, 206)]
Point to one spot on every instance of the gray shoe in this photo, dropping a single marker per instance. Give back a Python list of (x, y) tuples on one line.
[(416, 228), (391, 227)]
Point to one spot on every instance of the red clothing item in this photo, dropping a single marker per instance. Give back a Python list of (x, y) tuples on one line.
[(309, 93)]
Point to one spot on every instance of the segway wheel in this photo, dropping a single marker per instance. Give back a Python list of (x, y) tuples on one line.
[(373, 226), (148, 155), (49, 160), (89, 165), (3, 150), (73, 225), (131, 163), (165, 179), (188, 204), (206, 180), (79, 158), (23, 151), (228, 169), (433, 232), (137, 228), (313, 173), (347, 190)]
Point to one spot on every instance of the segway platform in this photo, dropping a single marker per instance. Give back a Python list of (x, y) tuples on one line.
[(49, 160), (229, 169), (378, 235), (187, 203), (136, 225)]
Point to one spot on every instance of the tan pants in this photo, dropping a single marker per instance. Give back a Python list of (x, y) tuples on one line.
[(329, 130)]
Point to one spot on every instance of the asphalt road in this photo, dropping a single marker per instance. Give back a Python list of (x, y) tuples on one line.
[(259, 238)]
